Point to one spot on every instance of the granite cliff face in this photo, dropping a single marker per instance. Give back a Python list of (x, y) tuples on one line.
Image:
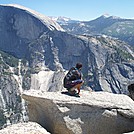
[(107, 62), (12, 106), (21, 27), (44, 52), (110, 64)]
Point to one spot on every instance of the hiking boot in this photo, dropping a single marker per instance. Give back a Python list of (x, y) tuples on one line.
[(77, 95)]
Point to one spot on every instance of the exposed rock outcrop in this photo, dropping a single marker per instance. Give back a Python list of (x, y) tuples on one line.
[(24, 128), (92, 113)]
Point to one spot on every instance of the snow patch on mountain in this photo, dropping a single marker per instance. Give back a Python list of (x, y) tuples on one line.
[(106, 15), (60, 18), (63, 20)]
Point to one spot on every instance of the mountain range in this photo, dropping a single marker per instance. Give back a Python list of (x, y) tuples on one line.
[(117, 27)]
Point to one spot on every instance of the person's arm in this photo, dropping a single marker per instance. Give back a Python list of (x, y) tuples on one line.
[(77, 74)]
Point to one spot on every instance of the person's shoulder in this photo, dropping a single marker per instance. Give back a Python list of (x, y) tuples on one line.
[(72, 68)]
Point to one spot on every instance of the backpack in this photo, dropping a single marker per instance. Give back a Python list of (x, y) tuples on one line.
[(73, 74)]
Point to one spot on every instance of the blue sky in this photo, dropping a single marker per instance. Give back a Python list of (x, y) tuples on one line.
[(79, 9)]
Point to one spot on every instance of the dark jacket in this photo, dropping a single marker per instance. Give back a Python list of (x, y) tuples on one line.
[(73, 74)]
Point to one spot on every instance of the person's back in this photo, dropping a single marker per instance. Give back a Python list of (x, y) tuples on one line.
[(73, 79), (73, 74)]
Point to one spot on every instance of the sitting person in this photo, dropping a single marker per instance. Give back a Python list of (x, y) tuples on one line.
[(73, 79)]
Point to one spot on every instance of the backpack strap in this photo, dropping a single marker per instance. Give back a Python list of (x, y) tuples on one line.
[(73, 74)]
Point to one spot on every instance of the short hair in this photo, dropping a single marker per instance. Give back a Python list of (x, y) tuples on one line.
[(79, 65)]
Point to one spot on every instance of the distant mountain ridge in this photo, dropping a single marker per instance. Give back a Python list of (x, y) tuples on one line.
[(63, 20), (109, 25)]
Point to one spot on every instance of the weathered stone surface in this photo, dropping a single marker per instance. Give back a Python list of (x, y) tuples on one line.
[(47, 80), (24, 128), (92, 113)]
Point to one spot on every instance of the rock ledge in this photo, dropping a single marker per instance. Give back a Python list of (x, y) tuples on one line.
[(93, 112)]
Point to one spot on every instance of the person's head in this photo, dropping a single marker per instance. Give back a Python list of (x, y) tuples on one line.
[(78, 65)]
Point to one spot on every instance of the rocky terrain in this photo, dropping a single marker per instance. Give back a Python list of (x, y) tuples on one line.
[(24, 128), (35, 53), (92, 113)]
